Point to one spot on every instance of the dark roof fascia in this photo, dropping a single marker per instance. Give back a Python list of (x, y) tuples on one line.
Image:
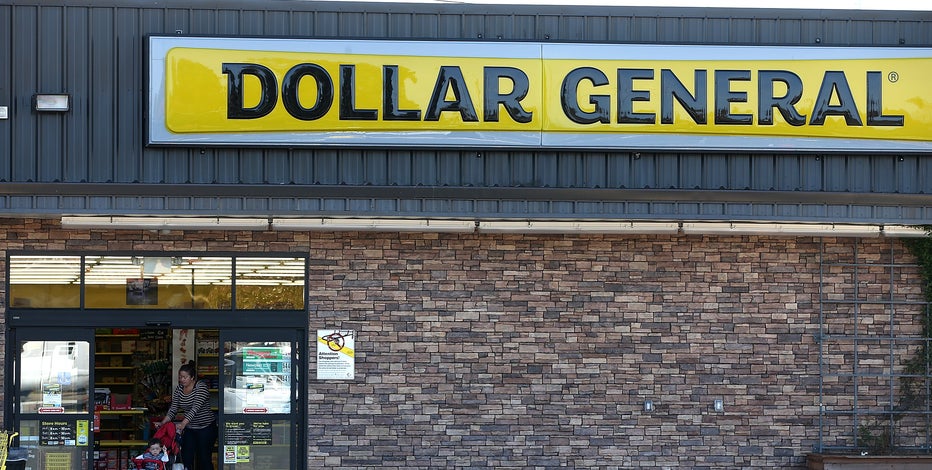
[(494, 9), (452, 193)]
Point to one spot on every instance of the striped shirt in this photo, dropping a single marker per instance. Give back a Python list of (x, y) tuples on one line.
[(194, 405)]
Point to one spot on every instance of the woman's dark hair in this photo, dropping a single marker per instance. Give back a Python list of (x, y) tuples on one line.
[(189, 368)]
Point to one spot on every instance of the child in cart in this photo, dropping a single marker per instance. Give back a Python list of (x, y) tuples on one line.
[(154, 457)]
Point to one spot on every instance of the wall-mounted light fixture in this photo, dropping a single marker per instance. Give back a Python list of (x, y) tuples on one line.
[(374, 225), (576, 226), (56, 103), (165, 223), (387, 224), (902, 231), (648, 406), (791, 229), (718, 405)]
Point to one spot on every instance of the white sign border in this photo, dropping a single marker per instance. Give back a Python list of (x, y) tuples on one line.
[(159, 134), (348, 361)]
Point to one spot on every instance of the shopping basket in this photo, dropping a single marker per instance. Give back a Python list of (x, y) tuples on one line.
[(6, 440)]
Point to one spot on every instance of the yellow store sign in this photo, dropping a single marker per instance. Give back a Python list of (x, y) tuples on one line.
[(229, 91)]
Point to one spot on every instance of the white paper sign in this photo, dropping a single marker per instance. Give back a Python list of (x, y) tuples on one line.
[(51, 395), (336, 354)]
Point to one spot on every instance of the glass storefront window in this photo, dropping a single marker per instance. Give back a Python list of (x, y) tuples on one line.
[(54, 376), (157, 282), (270, 283), (45, 281), (162, 282), (209, 279), (117, 281)]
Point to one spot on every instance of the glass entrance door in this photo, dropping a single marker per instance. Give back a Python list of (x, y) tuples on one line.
[(52, 401), (260, 396)]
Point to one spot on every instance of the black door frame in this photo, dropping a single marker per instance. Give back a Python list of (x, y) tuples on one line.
[(34, 324), (15, 336), (298, 339), (153, 318)]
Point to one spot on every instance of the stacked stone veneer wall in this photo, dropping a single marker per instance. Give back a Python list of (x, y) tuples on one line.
[(539, 351), (872, 307)]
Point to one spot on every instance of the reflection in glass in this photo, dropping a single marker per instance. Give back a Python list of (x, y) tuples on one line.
[(45, 281), (161, 282), (54, 376), (254, 443), (49, 455), (158, 282), (257, 377), (270, 283)]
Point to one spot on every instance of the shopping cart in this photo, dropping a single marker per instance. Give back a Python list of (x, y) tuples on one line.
[(6, 441)]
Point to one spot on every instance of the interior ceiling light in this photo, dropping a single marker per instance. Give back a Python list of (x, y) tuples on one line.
[(115, 270)]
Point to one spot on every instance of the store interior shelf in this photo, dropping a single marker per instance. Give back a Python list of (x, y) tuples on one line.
[(126, 443), (132, 411), (208, 363), (122, 363)]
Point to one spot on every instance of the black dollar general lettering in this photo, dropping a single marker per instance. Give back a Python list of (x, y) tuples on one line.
[(449, 80), (834, 88)]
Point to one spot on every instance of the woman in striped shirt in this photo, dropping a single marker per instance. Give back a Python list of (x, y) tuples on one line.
[(199, 427)]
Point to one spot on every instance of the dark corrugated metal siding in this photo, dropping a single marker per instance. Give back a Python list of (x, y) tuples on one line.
[(94, 50)]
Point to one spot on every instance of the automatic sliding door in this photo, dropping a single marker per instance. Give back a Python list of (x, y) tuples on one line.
[(259, 423), (52, 405)]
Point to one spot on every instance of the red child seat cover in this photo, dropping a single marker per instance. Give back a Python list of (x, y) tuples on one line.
[(167, 436)]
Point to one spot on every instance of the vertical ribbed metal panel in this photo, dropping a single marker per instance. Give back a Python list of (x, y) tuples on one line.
[(96, 54), (6, 91), (25, 77), (50, 80), (128, 77), (103, 103)]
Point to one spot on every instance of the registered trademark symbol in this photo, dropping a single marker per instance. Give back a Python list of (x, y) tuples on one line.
[(893, 77)]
